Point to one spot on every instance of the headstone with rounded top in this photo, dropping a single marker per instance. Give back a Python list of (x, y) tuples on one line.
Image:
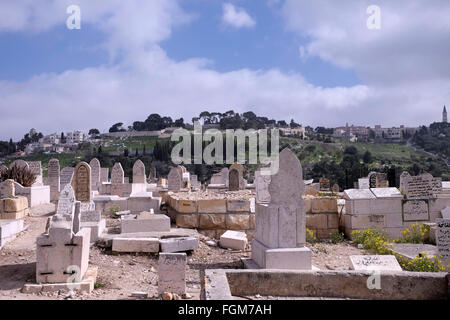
[(81, 182), (139, 172)]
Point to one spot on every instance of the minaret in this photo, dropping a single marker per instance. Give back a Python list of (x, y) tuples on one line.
[(444, 115)]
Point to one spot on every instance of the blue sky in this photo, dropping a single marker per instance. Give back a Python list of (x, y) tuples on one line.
[(314, 61)]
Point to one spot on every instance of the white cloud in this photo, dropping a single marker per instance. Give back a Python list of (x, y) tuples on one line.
[(237, 17), (403, 67)]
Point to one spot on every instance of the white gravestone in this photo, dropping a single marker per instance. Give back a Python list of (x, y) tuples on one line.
[(54, 178), (95, 173), (379, 263), (172, 273), (139, 172), (415, 210), (443, 240)]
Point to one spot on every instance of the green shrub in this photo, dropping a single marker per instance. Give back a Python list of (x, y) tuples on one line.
[(337, 237), (21, 175)]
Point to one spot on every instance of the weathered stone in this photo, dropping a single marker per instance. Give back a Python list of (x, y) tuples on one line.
[(187, 220), (234, 240), (179, 244), (144, 245), (7, 189), (238, 221), (54, 178), (172, 273), (117, 174), (379, 263), (212, 206), (139, 172), (81, 182), (212, 221), (95, 173)]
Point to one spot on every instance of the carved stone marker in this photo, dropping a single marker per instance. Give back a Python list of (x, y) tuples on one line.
[(54, 178), (139, 172), (172, 273), (415, 210), (236, 177), (281, 225), (95, 173), (363, 183), (117, 174), (443, 240), (104, 174), (324, 184), (36, 169), (82, 182), (175, 179), (419, 187), (262, 187), (380, 263), (66, 176)]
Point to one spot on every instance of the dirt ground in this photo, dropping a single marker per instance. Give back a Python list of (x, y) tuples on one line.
[(121, 275)]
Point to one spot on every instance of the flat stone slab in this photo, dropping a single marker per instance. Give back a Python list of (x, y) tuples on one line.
[(144, 245), (86, 285), (386, 193), (411, 251), (377, 262), (179, 244), (157, 222), (358, 194), (9, 230)]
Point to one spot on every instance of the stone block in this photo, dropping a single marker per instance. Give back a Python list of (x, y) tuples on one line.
[(386, 206), (308, 205), (15, 204), (179, 244), (143, 245), (9, 229), (97, 228), (238, 221), (252, 222), (172, 273), (378, 262), (58, 256), (187, 220), (15, 215), (316, 221), (324, 233), (324, 205), (368, 221), (333, 221), (186, 206), (212, 221), (157, 222), (238, 205), (286, 258), (212, 206), (394, 220), (234, 240)]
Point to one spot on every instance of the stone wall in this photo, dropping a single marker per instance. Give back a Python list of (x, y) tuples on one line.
[(322, 216), (212, 217)]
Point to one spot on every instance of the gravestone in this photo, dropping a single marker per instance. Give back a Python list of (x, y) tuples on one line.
[(7, 189), (95, 173), (117, 174), (236, 177), (423, 186), (335, 188), (175, 179), (379, 263), (225, 176), (20, 164), (172, 273), (139, 172), (262, 187), (53, 170), (381, 180), (363, 183), (280, 235), (446, 213), (81, 182), (36, 169), (324, 184), (372, 180), (66, 176), (104, 175), (152, 175), (415, 210), (443, 240), (61, 251)]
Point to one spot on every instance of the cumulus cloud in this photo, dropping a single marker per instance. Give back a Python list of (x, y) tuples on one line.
[(237, 17), (402, 65)]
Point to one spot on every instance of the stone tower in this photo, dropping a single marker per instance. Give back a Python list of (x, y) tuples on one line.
[(444, 115)]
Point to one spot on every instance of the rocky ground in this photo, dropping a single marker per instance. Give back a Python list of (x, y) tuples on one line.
[(119, 276)]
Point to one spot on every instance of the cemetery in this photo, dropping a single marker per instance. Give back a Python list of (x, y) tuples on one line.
[(92, 233)]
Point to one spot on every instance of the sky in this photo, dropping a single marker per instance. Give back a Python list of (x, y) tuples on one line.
[(321, 62)]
